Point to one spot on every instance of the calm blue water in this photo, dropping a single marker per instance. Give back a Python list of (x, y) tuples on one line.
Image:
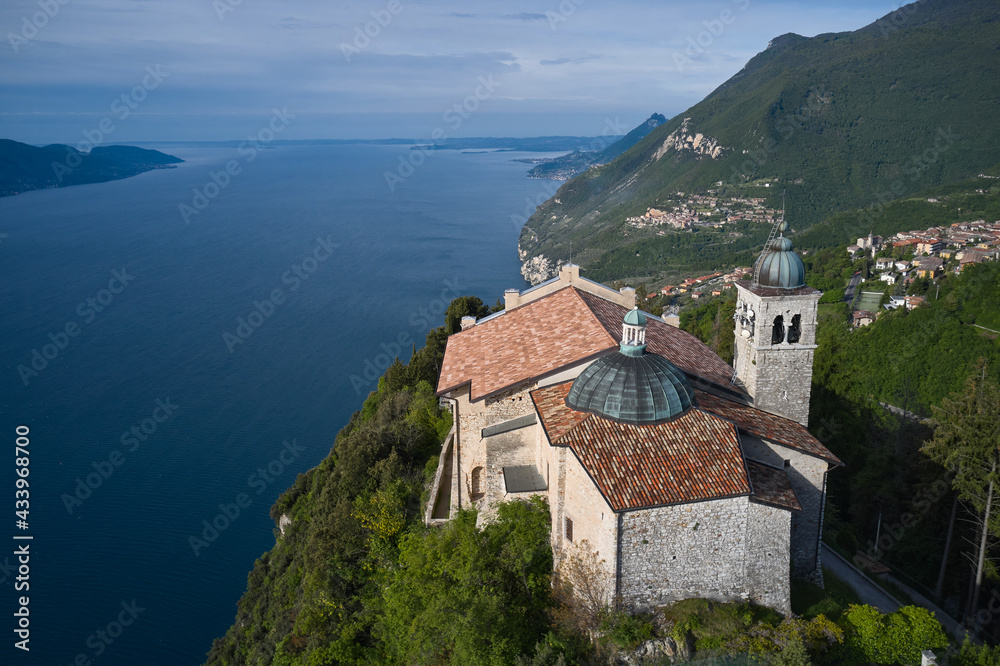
[(161, 338)]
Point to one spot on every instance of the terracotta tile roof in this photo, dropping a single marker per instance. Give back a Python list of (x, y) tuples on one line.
[(565, 327), (556, 417), (695, 457), (766, 425), (529, 341), (679, 347), (771, 486)]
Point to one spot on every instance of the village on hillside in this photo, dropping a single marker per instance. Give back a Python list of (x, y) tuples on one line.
[(921, 254), (685, 212), (896, 261)]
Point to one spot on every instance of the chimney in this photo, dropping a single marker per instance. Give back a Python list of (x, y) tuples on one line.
[(468, 322), (511, 299), (629, 294), (569, 272)]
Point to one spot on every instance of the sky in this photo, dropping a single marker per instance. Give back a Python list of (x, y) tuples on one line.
[(186, 70)]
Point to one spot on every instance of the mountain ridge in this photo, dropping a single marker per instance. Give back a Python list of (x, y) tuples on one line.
[(841, 121)]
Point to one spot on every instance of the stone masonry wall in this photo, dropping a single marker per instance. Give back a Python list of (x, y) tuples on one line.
[(725, 550), (805, 473), (506, 449), (767, 557), (784, 381), (472, 448), (778, 376), (595, 525), (684, 551)]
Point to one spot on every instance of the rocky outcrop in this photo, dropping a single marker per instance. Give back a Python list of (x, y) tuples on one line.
[(683, 139), (538, 269), (655, 651)]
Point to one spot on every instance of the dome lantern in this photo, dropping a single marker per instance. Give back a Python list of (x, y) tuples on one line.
[(633, 333)]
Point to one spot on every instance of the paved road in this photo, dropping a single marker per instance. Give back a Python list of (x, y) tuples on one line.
[(852, 285), (873, 595), (867, 591)]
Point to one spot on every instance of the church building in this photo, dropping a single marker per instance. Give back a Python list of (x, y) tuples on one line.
[(685, 476)]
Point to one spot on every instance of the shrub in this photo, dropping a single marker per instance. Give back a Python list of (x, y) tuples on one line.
[(896, 638), (626, 631)]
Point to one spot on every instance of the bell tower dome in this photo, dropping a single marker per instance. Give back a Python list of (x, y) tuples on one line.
[(776, 330)]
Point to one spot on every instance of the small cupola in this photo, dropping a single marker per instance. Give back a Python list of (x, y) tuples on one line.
[(633, 333)]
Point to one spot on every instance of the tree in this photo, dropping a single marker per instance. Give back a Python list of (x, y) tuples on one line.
[(463, 306), (896, 638), (464, 595), (794, 654), (582, 591), (967, 440)]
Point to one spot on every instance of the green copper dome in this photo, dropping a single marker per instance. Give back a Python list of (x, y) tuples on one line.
[(780, 267), (631, 385), (635, 318), (641, 390)]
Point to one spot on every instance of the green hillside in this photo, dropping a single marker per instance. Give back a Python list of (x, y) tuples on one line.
[(844, 123)]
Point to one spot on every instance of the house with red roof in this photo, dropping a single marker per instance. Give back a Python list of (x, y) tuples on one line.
[(684, 476)]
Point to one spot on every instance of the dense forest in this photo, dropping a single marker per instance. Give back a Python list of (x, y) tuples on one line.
[(916, 360)]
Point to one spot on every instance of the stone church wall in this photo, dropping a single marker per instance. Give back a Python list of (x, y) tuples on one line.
[(784, 389), (684, 551), (779, 375), (595, 525), (767, 556), (514, 448), (806, 474)]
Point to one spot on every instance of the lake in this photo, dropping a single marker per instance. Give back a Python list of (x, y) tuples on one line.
[(180, 338)]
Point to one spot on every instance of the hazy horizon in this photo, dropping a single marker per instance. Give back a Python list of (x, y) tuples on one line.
[(215, 70)]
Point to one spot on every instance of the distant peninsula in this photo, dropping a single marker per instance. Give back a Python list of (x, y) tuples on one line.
[(607, 149), (537, 144), (24, 167)]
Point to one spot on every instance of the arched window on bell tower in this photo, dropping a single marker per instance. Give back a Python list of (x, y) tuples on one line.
[(778, 330), (795, 329)]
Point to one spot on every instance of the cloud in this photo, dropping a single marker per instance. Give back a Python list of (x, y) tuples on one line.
[(570, 61), (526, 16), (430, 55), (294, 23)]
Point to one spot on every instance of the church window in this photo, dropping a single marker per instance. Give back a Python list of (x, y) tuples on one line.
[(569, 528), (477, 483), (795, 330), (778, 331)]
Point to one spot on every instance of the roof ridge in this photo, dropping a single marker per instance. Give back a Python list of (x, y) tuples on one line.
[(579, 294), (786, 442), (571, 334), (572, 429)]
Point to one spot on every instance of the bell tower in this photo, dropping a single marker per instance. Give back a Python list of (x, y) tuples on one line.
[(776, 331)]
